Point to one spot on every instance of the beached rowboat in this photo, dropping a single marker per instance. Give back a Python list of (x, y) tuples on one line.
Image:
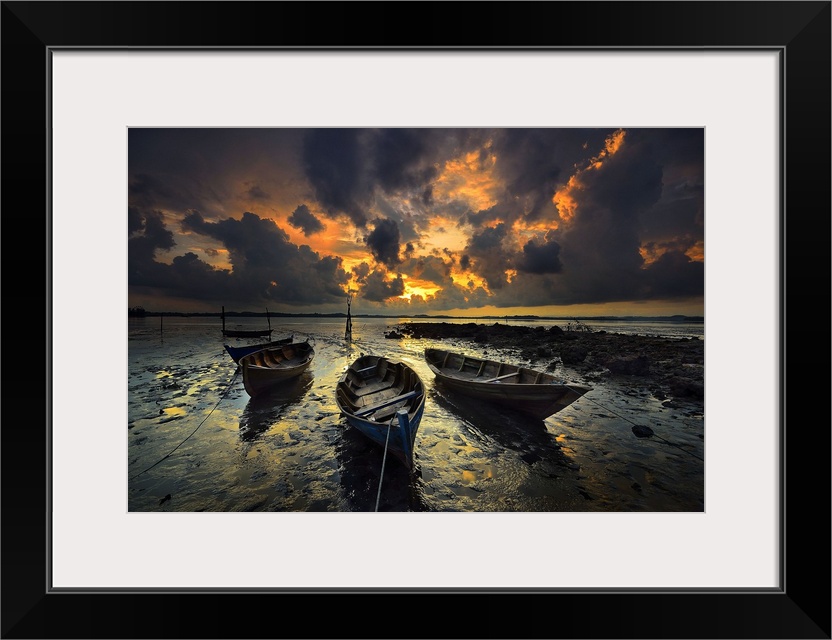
[(238, 352), (384, 399), (246, 333), (266, 368), (529, 391)]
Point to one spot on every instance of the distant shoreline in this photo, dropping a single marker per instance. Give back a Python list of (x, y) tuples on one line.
[(132, 313)]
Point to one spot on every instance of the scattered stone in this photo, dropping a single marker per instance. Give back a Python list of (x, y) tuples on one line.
[(573, 354), (630, 366)]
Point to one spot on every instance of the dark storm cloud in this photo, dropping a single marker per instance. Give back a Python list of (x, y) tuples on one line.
[(361, 271), (398, 158), (383, 242), (502, 211), (186, 275), (628, 182), (305, 220), (334, 163), (540, 258), (490, 259), (639, 212), (377, 288), (266, 265), (531, 162), (148, 234), (619, 205), (347, 168), (209, 169), (674, 275), (146, 191), (431, 268)]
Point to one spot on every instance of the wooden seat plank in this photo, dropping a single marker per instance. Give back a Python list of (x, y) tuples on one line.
[(507, 375), (385, 403)]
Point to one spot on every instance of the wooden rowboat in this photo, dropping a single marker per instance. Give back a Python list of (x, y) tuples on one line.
[(238, 352), (267, 368), (384, 399), (529, 391), (246, 333)]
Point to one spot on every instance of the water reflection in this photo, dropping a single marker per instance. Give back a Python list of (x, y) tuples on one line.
[(263, 410), (529, 437), (360, 468)]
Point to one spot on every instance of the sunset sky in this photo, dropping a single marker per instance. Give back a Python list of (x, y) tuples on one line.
[(552, 222)]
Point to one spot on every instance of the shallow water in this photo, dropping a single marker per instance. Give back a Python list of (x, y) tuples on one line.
[(195, 435)]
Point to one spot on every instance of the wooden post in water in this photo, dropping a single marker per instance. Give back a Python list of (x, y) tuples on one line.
[(348, 331), (223, 319), (269, 320)]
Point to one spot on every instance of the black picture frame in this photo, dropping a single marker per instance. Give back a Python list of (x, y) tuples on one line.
[(800, 31)]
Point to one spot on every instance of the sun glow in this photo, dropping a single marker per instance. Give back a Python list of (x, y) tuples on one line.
[(468, 280), (417, 287)]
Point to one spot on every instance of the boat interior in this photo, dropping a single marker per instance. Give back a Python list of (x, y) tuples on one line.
[(287, 355), (377, 388), (462, 367)]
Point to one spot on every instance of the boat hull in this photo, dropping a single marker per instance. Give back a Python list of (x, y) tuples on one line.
[(528, 391), (245, 333), (401, 441), (384, 400), (266, 369), (238, 352)]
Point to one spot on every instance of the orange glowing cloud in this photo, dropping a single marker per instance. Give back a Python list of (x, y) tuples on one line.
[(696, 252), (565, 198), (652, 251), (444, 234), (468, 280), (470, 179), (418, 287), (565, 201)]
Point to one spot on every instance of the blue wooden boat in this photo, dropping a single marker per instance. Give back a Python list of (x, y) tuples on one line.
[(238, 352), (384, 399)]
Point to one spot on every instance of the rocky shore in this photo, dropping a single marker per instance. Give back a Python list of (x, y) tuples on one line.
[(671, 369)]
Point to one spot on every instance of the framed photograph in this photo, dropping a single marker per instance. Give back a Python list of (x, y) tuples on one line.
[(201, 148)]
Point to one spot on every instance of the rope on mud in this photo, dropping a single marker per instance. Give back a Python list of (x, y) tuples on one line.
[(649, 431), (230, 382), (383, 460)]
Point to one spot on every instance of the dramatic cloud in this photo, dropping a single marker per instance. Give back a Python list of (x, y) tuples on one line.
[(333, 159), (491, 258), (266, 266), (305, 220), (540, 258), (383, 242), (416, 219), (378, 287)]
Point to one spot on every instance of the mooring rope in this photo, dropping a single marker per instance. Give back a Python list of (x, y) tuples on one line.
[(652, 433), (384, 460), (230, 382)]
